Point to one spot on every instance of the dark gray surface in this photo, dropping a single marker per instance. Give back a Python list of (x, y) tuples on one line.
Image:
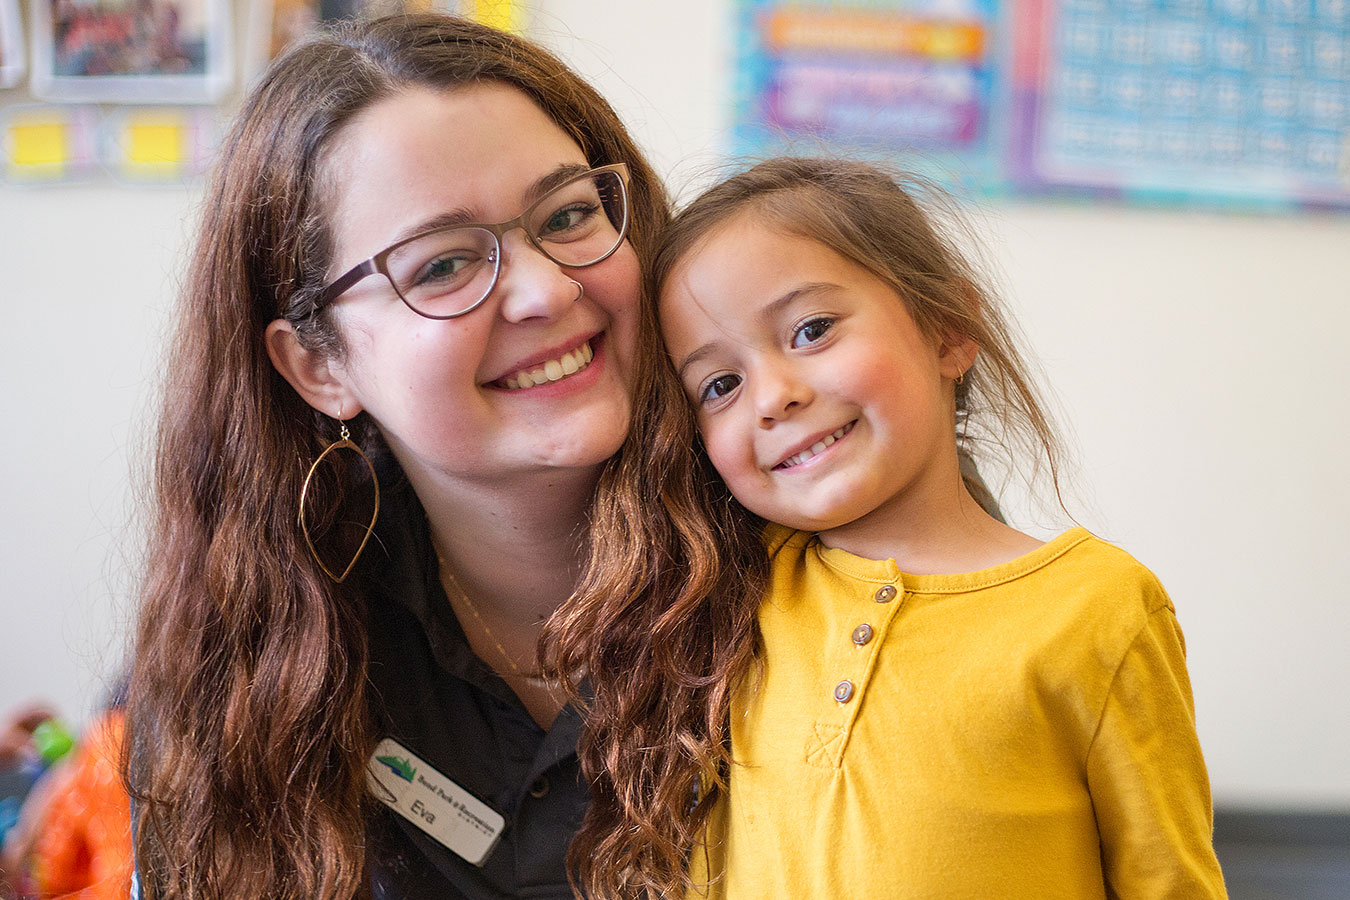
[(1284, 856)]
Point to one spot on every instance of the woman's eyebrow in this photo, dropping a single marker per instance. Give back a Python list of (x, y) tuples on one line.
[(433, 223), (542, 186), (538, 188)]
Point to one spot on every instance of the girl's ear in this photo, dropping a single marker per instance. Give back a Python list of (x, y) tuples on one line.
[(958, 349), (315, 377)]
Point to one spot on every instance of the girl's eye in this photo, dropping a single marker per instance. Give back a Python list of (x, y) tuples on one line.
[(811, 331), (719, 387)]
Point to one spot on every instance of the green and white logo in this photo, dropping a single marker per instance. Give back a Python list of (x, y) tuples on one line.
[(399, 766)]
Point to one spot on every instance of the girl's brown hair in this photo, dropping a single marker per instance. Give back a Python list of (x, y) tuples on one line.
[(250, 719), (668, 637)]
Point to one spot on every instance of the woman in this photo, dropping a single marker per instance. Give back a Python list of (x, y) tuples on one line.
[(340, 287)]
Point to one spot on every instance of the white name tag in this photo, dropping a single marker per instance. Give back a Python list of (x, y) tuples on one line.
[(447, 813)]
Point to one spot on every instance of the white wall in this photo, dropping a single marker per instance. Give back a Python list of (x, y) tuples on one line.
[(1194, 355)]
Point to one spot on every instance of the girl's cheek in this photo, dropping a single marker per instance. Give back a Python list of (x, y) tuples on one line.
[(722, 450)]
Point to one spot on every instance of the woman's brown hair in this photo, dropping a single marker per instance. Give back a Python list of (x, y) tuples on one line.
[(250, 719), (666, 638)]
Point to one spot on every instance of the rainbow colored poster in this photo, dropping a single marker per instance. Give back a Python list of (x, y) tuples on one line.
[(914, 81)]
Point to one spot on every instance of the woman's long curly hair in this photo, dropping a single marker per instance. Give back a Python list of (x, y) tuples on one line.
[(251, 722), (666, 631)]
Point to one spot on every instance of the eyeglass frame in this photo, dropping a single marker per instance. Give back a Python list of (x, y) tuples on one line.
[(376, 265)]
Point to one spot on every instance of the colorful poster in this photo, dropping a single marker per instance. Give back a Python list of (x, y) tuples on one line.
[(1202, 101), (911, 81)]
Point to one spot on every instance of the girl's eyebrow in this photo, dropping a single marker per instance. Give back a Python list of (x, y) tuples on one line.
[(771, 311), (699, 353)]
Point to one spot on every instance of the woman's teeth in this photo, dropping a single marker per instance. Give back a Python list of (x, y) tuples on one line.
[(553, 370), (818, 447)]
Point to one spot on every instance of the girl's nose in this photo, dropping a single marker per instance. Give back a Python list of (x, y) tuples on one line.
[(780, 394), (531, 285)]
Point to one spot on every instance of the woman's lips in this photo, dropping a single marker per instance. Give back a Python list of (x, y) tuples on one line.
[(566, 365)]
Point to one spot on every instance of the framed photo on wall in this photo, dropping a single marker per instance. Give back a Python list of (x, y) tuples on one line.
[(131, 51), (11, 44)]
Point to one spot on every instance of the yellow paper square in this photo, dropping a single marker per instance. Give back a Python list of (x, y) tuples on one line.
[(503, 14), (39, 143), (155, 142)]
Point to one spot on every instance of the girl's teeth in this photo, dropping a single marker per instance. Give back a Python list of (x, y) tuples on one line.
[(553, 370), (818, 447)]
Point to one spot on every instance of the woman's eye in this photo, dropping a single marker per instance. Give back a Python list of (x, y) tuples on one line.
[(811, 331), (566, 219), (719, 387), (446, 267)]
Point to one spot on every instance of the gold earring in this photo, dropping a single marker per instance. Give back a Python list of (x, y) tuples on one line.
[(344, 442), (960, 378)]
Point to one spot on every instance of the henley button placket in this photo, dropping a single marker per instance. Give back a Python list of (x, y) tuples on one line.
[(862, 636)]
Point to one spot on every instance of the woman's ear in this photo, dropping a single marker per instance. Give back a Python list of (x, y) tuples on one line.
[(315, 377), (956, 354)]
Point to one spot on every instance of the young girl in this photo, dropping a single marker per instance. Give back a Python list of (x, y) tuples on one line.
[(933, 704)]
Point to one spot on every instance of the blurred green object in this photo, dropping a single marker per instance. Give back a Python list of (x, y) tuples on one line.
[(53, 740)]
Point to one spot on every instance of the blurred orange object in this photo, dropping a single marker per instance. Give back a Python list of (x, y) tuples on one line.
[(82, 847)]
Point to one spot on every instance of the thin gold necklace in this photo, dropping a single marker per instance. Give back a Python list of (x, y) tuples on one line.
[(448, 575)]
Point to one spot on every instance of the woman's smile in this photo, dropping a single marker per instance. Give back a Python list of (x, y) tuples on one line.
[(551, 370)]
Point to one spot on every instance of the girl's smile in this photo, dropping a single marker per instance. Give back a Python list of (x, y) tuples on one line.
[(815, 449)]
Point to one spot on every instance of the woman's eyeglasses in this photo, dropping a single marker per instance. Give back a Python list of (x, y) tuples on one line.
[(450, 271)]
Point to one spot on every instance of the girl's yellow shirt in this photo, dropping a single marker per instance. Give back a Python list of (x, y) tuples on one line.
[(1025, 732)]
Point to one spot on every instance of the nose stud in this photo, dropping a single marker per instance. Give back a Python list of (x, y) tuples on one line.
[(580, 291)]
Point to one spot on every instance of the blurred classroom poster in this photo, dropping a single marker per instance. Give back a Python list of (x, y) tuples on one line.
[(913, 81), (1220, 102), (1231, 103)]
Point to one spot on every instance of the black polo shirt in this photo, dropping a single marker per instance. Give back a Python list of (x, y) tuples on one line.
[(436, 698)]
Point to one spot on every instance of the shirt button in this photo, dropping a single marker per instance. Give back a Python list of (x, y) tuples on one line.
[(843, 691), (885, 594), (862, 634), (539, 789)]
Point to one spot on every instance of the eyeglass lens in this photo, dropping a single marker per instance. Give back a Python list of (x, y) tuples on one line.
[(451, 271)]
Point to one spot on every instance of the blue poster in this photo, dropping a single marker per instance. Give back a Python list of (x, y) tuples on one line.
[(1219, 102)]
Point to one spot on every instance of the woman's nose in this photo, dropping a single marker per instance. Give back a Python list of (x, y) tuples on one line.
[(779, 394), (531, 285)]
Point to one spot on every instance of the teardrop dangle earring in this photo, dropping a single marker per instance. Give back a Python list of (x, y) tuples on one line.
[(344, 442)]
